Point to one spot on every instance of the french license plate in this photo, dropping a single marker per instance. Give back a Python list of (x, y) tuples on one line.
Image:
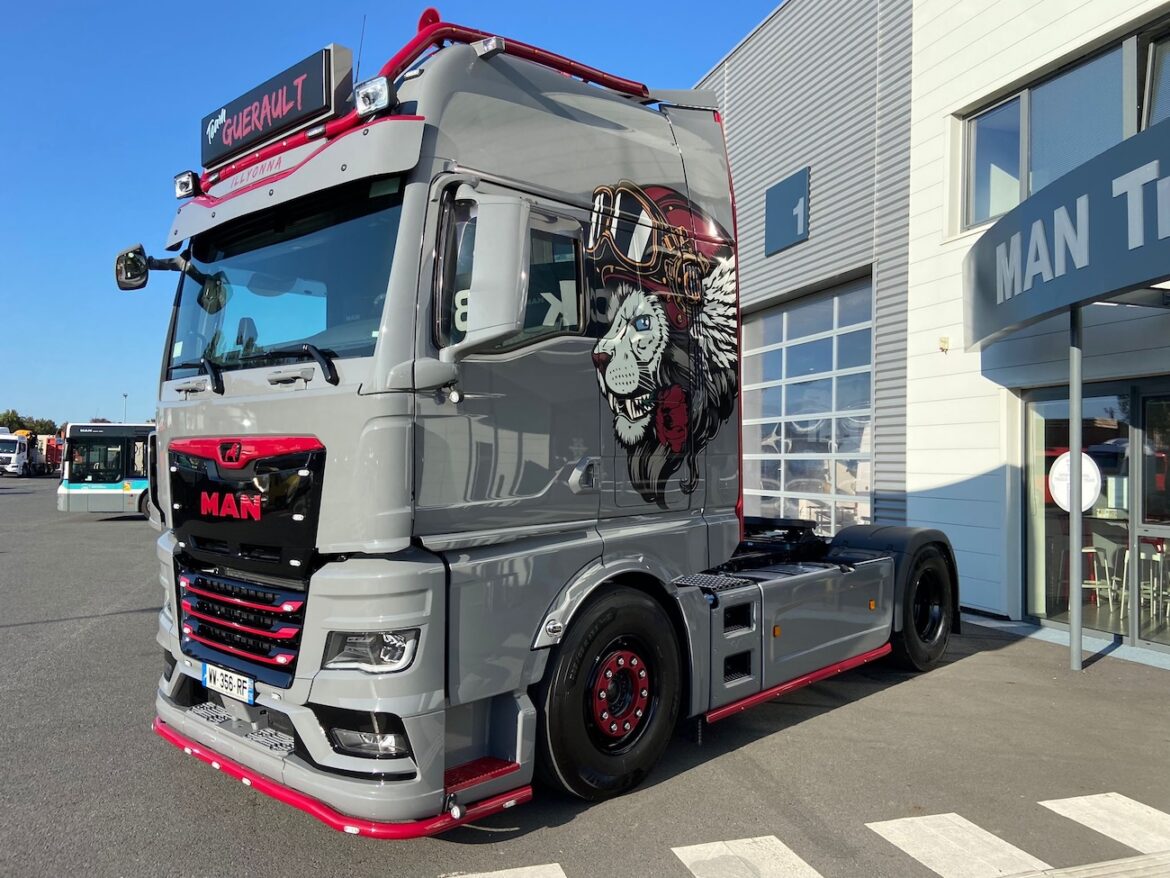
[(231, 684)]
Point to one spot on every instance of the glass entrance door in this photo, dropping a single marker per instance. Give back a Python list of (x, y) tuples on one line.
[(1148, 587), (1105, 436)]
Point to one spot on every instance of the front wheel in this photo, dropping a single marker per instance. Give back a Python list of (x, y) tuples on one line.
[(610, 697), (928, 612)]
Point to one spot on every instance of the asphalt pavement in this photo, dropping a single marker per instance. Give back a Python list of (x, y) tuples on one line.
[(1001, 727)]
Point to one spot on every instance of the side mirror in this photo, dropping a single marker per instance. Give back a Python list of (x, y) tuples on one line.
[(499, 274), (130, 268), (246, 334)]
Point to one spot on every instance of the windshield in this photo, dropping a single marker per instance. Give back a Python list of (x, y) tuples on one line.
[(97, 460), (314, 271), (7, 446)]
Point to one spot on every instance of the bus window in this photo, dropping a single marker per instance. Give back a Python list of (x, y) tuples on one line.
[(97, 460), (138, 460)]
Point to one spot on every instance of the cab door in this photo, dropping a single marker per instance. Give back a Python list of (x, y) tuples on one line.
[(506, 478)]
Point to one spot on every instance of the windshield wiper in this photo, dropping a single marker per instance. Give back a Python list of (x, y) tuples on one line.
[(214, 372), (324, 359)]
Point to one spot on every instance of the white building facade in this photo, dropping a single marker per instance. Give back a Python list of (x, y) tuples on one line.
[(1008, 96), (872, 144)]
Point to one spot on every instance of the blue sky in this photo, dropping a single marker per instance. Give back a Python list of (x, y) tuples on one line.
[(101, 108)]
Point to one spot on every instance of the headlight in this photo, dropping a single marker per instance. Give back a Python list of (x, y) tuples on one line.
[(370, 744), (357, 733), (373, 95), (375, 652)]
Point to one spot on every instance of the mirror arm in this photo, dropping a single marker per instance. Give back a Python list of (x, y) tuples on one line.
[(176, 263)]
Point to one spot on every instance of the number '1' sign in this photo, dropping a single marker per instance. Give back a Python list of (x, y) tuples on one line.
[(786, 212)]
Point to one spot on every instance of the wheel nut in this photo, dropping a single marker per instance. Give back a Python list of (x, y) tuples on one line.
[(608, 673), (621, 662), (642, 673), (613, 727), (605, 714), (645, 693), (601, 695), (634, 662), (638, 712), (626, 727)]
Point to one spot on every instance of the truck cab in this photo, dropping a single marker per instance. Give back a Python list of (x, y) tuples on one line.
[(448, 445)]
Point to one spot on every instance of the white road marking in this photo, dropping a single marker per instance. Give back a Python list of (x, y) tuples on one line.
[(1130, 822), (764, 857), (1145, 866), (549, 870), (955, 847)]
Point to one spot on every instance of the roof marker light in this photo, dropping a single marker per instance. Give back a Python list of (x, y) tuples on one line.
[(488, 48), (373, 95)]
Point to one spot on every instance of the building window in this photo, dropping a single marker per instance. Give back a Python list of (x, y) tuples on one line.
[(808, 409), (1024, 143), (1158, 104)]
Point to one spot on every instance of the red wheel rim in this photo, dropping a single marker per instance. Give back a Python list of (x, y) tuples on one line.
[(620, 694)]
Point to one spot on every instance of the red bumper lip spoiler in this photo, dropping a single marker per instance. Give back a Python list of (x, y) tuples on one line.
[(335, 819)]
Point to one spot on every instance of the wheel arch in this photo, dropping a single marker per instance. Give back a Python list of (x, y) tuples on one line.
[(690, 621), (902, 544)]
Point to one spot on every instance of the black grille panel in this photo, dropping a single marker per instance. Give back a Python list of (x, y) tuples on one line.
[(255, 629), (260, 517)]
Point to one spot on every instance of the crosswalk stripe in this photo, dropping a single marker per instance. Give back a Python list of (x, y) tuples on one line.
[(955, 847), (1130, 822), (763, 857), (550, 870)]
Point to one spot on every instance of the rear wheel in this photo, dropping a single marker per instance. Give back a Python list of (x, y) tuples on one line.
[(610, 697), (25, 472), (142, 501), (928, 612)]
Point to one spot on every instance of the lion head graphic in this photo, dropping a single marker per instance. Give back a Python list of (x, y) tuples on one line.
[(668, 364)]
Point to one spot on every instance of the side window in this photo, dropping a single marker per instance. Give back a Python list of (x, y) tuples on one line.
[(138, 462), (554, 277)]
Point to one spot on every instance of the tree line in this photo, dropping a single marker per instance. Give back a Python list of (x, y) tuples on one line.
[(14, 421)]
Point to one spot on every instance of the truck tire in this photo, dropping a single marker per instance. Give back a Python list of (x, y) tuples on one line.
[(24, 472), (610, 697), (142, 501), (928, 611)]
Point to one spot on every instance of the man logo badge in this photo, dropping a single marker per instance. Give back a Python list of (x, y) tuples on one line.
[(229, 452)]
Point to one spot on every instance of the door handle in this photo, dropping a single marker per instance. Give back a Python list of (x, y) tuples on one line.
[(291, 376), (195, 385), (583, 478)]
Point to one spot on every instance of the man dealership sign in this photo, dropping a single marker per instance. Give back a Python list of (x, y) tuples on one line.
[(1097, 232)]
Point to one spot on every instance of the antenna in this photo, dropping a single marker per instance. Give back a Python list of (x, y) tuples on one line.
[(361, 41)]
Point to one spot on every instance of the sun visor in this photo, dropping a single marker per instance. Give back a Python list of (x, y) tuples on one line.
[(386, 146)]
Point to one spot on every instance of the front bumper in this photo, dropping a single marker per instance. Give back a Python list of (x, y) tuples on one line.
[(331, 817)]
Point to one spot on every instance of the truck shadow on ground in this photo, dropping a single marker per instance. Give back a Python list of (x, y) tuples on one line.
[(685, 752)]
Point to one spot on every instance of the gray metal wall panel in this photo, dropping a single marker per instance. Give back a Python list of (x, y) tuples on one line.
[(891, 258), (826, 83)]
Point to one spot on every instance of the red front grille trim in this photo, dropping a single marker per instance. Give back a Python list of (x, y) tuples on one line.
[(285, 633), (242, 653), (293, 606), (224, 451)]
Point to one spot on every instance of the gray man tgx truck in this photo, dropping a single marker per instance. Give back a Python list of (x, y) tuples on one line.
[(448, 446)]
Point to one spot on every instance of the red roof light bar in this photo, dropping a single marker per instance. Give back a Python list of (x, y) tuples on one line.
[(432, 31)]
